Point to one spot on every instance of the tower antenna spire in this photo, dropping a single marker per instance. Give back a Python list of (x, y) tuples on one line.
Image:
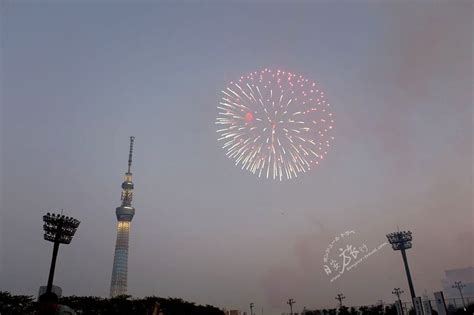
[(124, 213), (132, 138)]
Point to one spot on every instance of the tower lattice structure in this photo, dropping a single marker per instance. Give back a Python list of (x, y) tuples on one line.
[(125, 215)]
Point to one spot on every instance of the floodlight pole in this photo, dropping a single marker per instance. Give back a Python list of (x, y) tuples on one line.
[(407, 270), (49, 288), (401, 241), (58, 229)]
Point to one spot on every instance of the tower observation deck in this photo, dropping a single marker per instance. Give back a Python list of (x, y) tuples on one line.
[(125, 215)]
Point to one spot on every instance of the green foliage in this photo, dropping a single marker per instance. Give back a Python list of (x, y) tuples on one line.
[(15, 304), (364, 310), (121, 305), (376, 310), (126, 305), (388, 310), (353, 311), (344, 310), (391, 310), (461, 311)]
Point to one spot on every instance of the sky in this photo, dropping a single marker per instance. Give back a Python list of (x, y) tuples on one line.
[(79, 77)]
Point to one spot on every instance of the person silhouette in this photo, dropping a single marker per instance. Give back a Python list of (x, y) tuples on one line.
[(48, 304)]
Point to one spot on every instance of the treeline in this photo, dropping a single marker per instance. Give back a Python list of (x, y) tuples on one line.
[(363, 310), (381, 310), (16, 304), (125, 304)]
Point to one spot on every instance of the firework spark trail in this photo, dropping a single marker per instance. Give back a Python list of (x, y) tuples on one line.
[(275, 123)]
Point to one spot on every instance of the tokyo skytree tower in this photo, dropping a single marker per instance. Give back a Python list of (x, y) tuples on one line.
[(124, 214)]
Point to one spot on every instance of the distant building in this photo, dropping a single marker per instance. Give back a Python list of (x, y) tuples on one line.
[(232, 312), (465, 275)]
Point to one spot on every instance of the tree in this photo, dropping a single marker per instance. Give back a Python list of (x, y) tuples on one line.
[(121, 305), (364, 310), (15, 304), (344, 310), (391, 310), (354, 311)]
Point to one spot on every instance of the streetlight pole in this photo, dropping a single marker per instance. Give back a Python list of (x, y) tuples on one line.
[(58, 229), (402, 241), (290, 302), (398, 292), (340, 297), (251, 308), (458, 285)]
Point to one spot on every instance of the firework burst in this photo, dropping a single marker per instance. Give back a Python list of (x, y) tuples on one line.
[(274, 123)]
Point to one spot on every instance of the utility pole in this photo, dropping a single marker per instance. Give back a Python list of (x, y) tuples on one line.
[(458, 285), (401, 241), (340, 297), (251, 308), (290, 302)]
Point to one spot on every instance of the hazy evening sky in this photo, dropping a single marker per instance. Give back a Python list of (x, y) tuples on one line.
[(79, 77)]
